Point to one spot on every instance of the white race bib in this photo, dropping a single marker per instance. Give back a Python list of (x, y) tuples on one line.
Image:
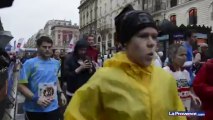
[(47, 90)]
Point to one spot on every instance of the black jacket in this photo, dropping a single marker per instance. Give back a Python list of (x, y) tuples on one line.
[(75, 81)]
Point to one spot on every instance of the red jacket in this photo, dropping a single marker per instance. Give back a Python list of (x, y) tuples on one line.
[(203, 87), (93, 53)]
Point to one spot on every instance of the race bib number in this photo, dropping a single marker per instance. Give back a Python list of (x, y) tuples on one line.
[(182, 83), (47, 90)]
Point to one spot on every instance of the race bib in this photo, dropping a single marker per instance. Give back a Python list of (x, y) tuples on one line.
[(47, 90), (182, 83)]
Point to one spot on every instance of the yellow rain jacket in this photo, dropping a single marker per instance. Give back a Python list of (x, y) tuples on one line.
[(121, 90)]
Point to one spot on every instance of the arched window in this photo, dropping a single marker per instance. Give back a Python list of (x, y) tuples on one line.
[(173, 3), (173, 19), (193, 16), (157, 22)]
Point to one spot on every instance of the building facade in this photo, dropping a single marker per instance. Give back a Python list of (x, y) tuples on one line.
[(31, 43), (107, 10), (97, 18), (88, 17), (61, 31), (187, 12), (63, 34), (193, 12)]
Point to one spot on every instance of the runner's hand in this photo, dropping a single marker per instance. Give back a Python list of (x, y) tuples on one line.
[(86, 65), (43, 102), (63, 100), (83, 65), (196, 100)]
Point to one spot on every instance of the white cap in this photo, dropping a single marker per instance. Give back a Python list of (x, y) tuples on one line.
[(203, 45), (160, 53)]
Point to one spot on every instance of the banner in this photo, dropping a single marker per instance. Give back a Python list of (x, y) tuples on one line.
[(20, 41)]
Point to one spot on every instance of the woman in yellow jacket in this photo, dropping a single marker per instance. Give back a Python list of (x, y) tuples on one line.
[(129, 87)]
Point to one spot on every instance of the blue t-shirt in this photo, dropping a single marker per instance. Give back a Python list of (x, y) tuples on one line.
[(41, 78)]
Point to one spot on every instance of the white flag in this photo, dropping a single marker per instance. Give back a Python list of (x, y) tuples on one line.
[(20, 41), (71, 45)]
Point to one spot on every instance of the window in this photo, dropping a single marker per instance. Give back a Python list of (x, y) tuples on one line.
[(173, 3), (99, 39), (64, 38), (157, 22), (59, 36), (110, 4), (158, 5), (100, 11), (193, 16), (145, 4), (105, 8), (87, 14), (91, 16), (212, 11), (173, 19), (70, 36)]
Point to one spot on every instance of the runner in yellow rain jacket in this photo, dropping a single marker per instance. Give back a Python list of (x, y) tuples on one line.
[(129, 87), (133, 94)]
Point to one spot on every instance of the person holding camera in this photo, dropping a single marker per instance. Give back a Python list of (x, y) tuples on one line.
[(78, 68)]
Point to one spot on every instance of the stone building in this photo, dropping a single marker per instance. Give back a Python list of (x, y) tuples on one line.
[(187, 12), (61, 31), (97, 18), (88, 17)]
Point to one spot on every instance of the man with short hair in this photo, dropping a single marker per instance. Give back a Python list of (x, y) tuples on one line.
[(39, 84), (190, 40), (92, 52)]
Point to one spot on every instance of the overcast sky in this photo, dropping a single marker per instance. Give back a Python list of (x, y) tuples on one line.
[(26, 17)]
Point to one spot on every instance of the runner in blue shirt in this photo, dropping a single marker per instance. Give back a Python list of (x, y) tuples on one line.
[(39, 84), (190, 40)]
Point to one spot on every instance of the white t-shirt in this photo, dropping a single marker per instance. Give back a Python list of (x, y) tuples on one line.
[(157, 61), (182, 78)]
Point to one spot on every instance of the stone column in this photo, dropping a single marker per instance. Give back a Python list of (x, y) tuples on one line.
[(112, 40), (106, 41), (56, 38)]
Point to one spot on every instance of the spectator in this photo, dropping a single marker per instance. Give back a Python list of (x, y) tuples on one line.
[(190, 40), (204, 48), (92, 51), (201, 57), (78, 68), (203, 85), (4, 64), (56, 54)]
